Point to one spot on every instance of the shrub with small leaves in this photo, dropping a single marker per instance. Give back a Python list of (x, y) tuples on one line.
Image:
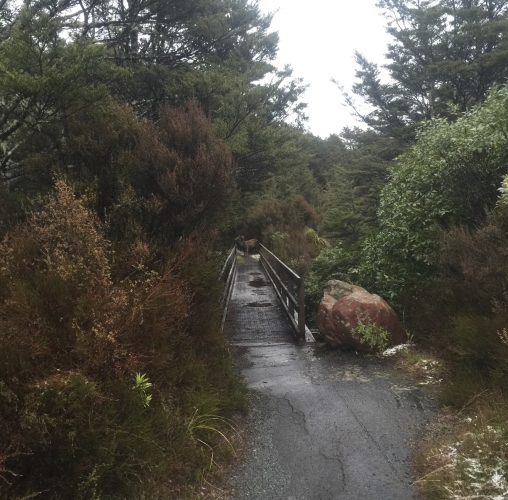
[(372, 335)]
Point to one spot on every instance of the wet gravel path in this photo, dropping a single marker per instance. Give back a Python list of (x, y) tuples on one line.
[(323, 424)]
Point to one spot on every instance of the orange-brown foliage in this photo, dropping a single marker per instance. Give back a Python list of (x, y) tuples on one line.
[(97, 289), (69, 331)]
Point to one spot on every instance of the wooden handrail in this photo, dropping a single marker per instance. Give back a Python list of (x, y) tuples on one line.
[(289, 288)]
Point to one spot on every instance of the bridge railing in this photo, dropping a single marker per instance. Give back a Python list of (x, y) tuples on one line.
[(289, 288), (227, 276)]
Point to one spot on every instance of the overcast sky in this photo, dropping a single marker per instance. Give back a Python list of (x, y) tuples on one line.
[(318, 39)]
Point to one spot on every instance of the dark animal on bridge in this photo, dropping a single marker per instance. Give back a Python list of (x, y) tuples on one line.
[(245, 245)]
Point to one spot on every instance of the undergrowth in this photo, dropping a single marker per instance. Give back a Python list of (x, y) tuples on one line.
[(115, 381), (462, 318), (471, 459), (424, 367)]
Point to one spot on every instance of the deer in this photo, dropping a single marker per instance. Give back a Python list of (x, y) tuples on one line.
[(246, 244)]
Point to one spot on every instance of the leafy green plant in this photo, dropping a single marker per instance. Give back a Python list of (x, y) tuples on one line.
[(372, 335), (141, 385), (331, 263), (503, 198), (450, 176)]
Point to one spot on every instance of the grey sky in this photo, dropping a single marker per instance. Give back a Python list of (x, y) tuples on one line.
[(318, 39)]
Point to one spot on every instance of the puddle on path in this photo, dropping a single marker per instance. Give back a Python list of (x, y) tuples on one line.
[(258, 282), (259, 304)]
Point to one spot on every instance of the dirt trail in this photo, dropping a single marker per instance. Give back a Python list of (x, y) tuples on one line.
[(323, 424)]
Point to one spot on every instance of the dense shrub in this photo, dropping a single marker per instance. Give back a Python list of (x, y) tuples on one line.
[(472, 266), (163, 180), (182, 174), (449, 177), (464, 308), (287, 227), (335, 263), (73, 336), (297, 247), (270, 215)]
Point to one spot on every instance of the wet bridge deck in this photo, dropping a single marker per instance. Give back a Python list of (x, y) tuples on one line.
[(323, 424), (255, 310)]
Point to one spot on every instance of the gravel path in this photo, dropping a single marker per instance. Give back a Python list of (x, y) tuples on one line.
[(323, 424)]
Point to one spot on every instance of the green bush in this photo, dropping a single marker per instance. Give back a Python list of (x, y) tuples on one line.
[(449, 177), (331, 263), (372, 335)]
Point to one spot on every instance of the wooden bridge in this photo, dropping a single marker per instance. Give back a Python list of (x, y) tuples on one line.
[(268, 298), (323, 424)]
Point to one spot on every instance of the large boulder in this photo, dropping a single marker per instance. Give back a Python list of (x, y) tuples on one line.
[(344, 306)]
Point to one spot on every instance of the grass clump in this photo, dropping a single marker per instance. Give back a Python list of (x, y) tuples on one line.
[(471, 459), (424, 367)]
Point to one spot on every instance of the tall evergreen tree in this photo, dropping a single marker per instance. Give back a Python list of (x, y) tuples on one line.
[(351, 198), (43, 80), (443, 52), (213, 51)]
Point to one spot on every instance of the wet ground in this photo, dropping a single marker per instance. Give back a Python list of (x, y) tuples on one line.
[(323, 424)]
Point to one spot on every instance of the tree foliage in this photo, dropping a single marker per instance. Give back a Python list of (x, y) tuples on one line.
[(443, 51), (351, 198), (60, 57), (43, 81), (451, 176)]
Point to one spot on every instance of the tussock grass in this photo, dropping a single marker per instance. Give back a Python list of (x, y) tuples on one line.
[(471, 460), (425, 368)]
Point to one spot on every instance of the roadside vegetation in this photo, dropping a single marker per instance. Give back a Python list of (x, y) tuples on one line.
[(108, 367), (440, 254), (136, 142), (115, 378)]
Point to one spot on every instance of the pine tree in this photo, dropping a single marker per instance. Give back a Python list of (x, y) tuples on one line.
[(443, 52)]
